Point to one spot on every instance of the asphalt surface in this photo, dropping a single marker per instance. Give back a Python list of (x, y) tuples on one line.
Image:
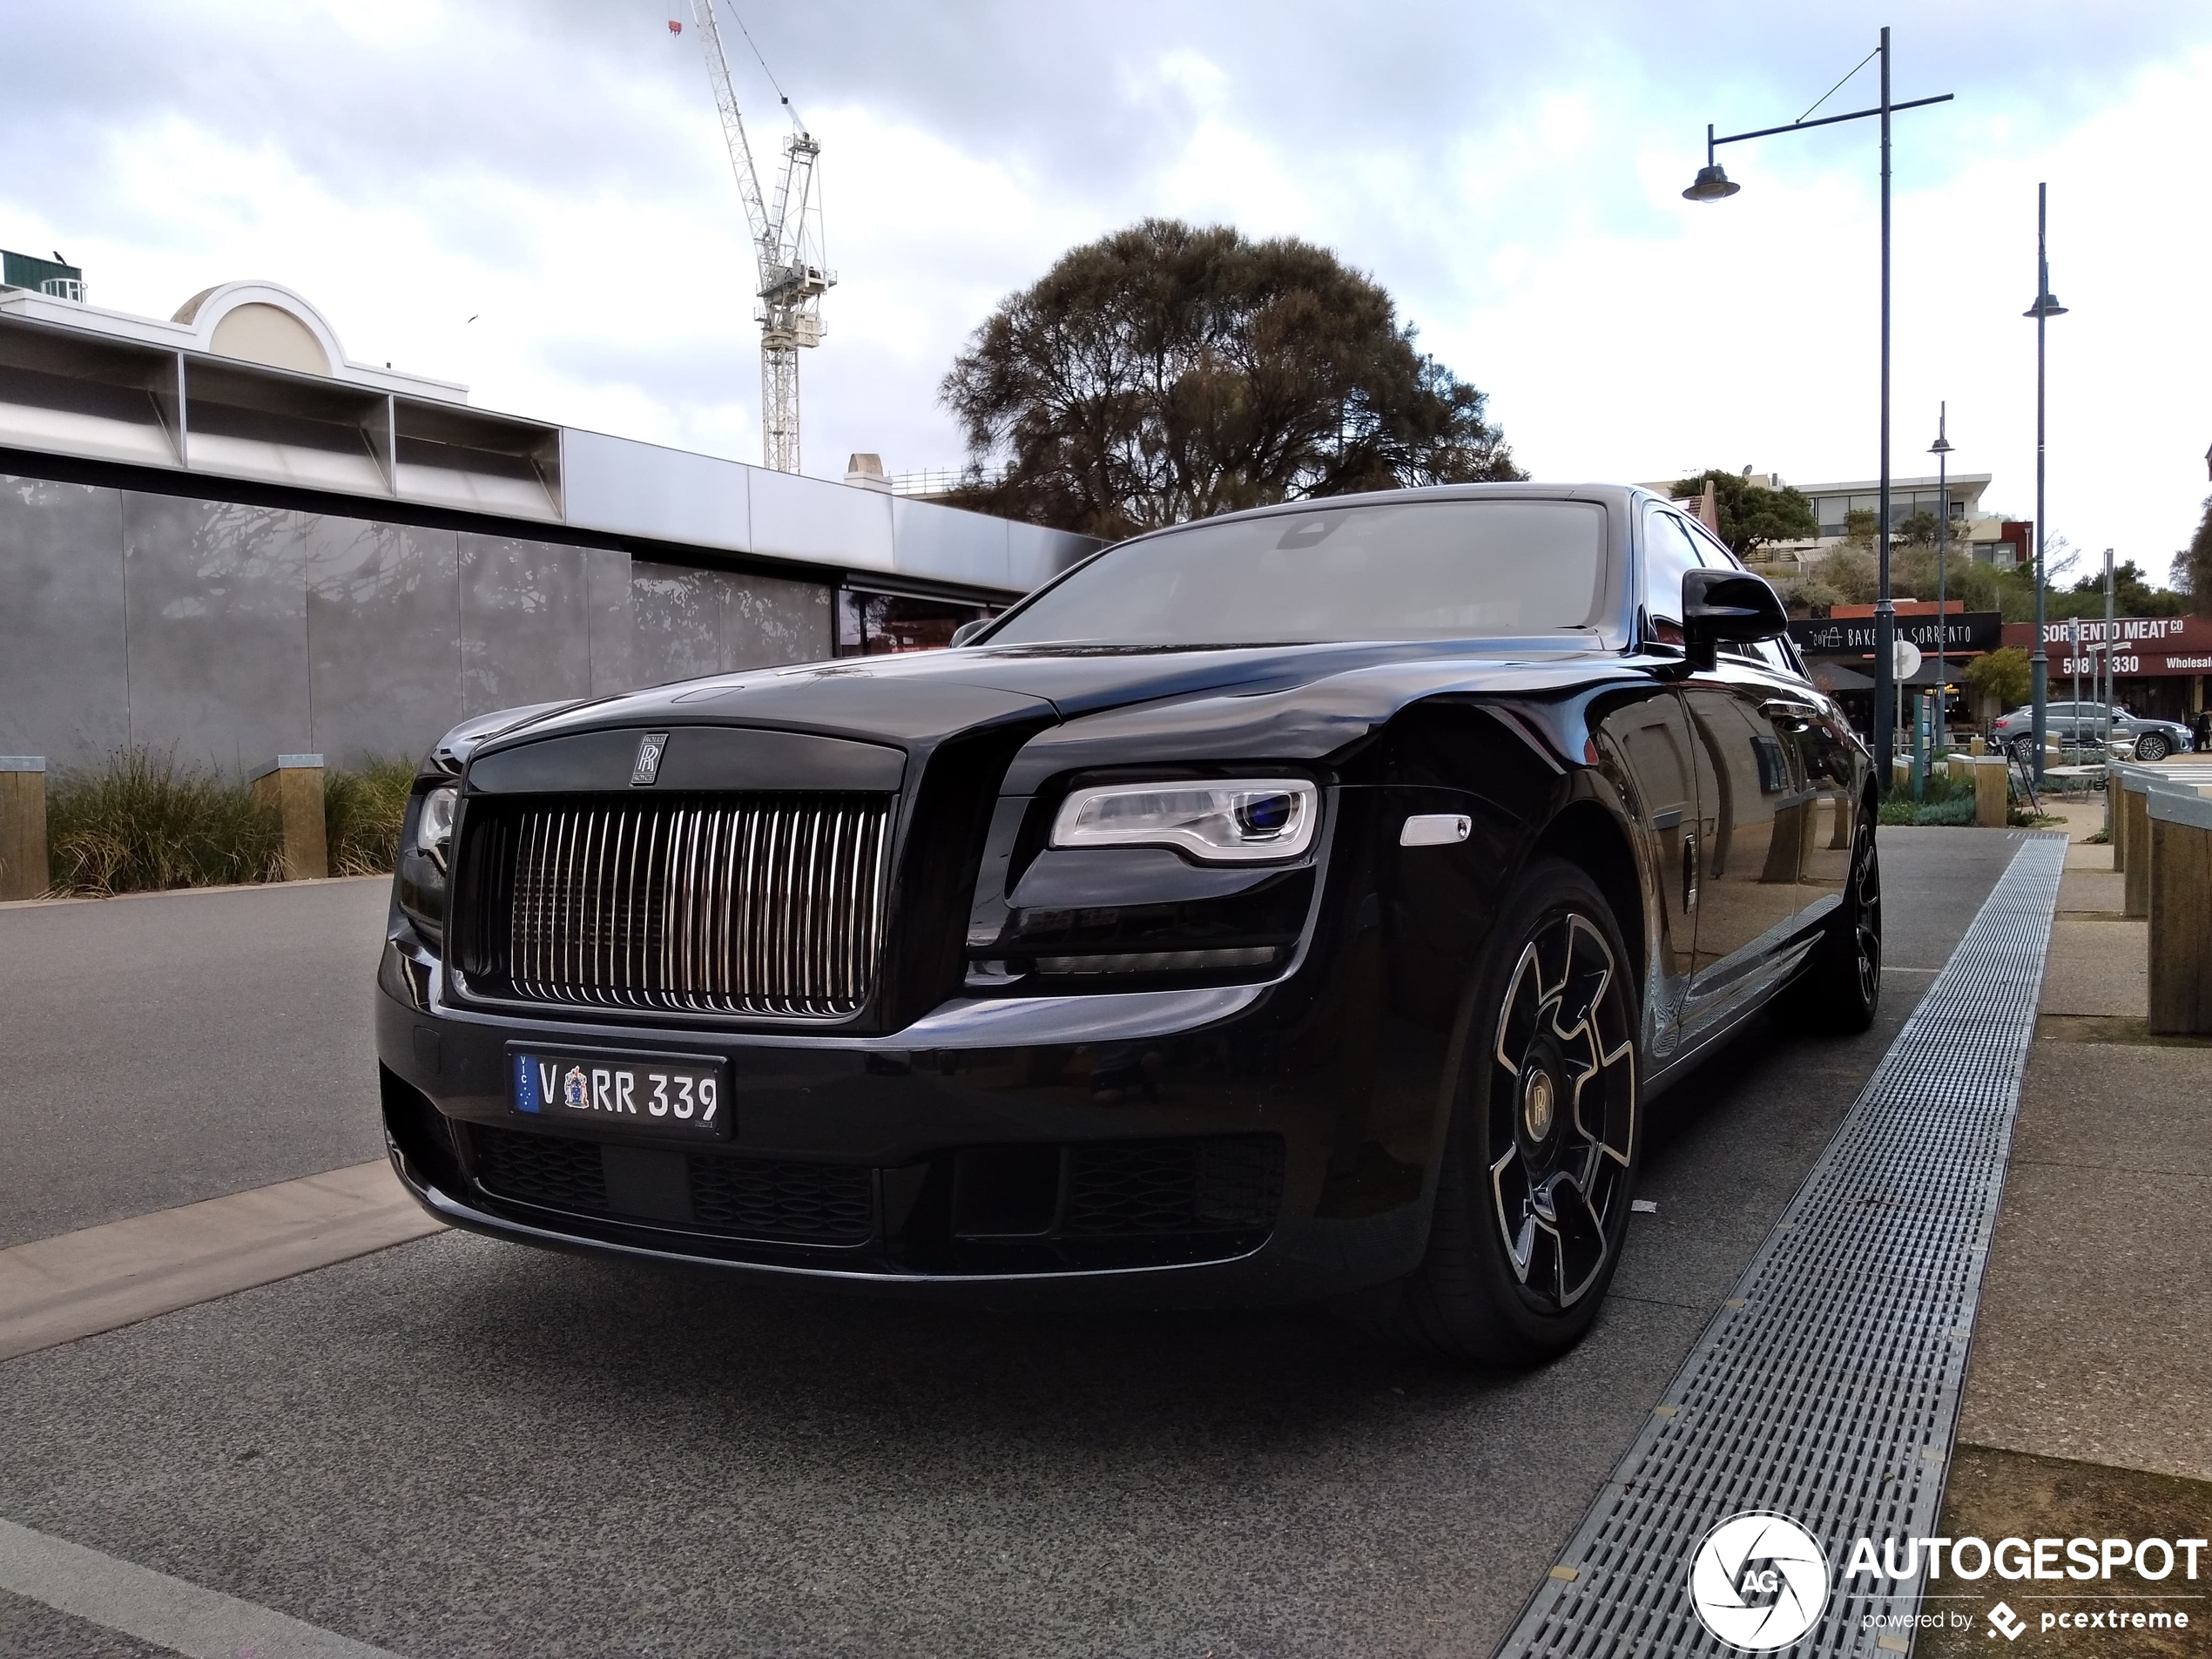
[(461, 1447), (165, 1047)]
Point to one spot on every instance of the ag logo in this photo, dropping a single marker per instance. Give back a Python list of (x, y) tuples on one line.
[(651, 748), (1758, 1582)]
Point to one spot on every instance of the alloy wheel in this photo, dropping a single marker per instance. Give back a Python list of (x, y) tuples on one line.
[(2151, 746), (1866, 914), (1562, 1110)]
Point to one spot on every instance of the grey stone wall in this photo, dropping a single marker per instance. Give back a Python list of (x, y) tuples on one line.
[(230, 634)]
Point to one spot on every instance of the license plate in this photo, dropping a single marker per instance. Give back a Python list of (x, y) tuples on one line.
[(681, 1099)]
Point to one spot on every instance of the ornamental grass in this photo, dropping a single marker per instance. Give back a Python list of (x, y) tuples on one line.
[(144, 822), (361, 813)]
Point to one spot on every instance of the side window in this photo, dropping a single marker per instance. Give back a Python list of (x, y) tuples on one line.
[(1668, 555)]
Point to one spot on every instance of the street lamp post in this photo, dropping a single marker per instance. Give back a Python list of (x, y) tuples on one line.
[(2106, 719), (2045, 309), (1941, 450), (1713, 185)]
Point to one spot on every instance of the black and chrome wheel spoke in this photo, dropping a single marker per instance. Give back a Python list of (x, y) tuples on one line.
[(1866, 893), (1580, 1231), (1561, 1111)]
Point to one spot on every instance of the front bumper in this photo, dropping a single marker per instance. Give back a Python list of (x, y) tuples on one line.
[(1174, 1147)]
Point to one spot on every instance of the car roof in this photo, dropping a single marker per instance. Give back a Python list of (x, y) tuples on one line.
[(1517, 490)]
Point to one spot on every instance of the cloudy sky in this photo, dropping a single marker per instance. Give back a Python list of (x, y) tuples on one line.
[(554, 169)]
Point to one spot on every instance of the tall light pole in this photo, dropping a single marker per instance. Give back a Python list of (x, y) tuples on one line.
[(2045, 309), (1941, 450), (2109, 633), (1713, 185)]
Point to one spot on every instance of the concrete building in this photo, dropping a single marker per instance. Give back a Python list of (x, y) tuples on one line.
[(221, 536), (1974, 531)]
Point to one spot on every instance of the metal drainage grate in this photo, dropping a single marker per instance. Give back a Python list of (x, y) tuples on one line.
[(1827, 1387)]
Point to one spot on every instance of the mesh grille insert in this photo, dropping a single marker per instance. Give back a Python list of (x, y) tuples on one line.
[(1827, 1388), (540, 1168), (1213, 1184), (783, 1203), (827, 1203)]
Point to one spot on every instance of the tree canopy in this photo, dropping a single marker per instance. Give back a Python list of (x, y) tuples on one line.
[(1168, 372), (2132, 595), (1752, 515), (2192, 566), (2000, 677)]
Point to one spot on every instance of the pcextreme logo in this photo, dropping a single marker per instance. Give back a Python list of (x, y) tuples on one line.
[(1758, 1582)]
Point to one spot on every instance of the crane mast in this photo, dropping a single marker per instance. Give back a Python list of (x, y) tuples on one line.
[(787, 254)]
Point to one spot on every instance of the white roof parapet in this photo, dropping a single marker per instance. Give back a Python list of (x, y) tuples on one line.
[(200, 320), (250, 403)]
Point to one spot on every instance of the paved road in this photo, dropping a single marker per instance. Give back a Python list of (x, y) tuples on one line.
[(159, 1049), (457, 1447)]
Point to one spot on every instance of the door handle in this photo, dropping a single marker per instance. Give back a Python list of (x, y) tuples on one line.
[(1689, 871)]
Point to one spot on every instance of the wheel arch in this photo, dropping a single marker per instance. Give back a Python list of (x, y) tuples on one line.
[(1588, 836)]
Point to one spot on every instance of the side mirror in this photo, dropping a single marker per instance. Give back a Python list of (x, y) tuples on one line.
[(967, 630), (1727, 608)]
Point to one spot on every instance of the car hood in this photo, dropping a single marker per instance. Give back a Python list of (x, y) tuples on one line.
[(919, 698)]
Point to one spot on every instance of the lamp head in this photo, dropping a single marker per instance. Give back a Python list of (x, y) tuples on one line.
[(2047, 304), (1712, 184)]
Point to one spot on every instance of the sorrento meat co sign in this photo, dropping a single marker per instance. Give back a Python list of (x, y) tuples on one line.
[(2141, 645)]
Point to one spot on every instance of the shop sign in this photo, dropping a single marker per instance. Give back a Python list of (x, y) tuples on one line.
[(2141, 645), (1960, 631)]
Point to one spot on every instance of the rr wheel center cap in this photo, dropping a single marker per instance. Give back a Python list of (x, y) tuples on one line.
[(1538, 1099)]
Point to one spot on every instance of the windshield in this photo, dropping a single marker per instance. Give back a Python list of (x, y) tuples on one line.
[(1426, 570)]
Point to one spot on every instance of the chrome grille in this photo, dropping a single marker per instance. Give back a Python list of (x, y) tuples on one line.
[(758, 904)]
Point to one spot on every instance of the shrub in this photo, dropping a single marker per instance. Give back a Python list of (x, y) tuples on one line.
[(144, 822), (1943, 801), (361, 813)]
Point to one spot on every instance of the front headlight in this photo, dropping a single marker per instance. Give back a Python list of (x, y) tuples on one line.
[(419, 874), (1235, 821), (434, 824)]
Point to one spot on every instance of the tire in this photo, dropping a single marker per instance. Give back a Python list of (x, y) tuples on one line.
[(1541, 1156), (1840, 990), (2153, 746)]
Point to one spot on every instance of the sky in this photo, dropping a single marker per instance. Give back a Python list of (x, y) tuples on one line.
[(554, 169)]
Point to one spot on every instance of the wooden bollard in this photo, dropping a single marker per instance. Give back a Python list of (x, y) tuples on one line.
[(23, 827), (293, 786), (2180, 824), (1992, 791), (2133, 808)]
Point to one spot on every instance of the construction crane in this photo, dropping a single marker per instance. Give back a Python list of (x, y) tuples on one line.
[(787, 250)]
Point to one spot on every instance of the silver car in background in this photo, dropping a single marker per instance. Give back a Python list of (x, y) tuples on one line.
[(2081, 723)]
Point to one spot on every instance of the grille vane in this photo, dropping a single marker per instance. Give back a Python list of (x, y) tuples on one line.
[(768, 905)]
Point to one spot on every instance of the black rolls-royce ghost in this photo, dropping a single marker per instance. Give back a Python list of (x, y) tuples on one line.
[(1299, 904)]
